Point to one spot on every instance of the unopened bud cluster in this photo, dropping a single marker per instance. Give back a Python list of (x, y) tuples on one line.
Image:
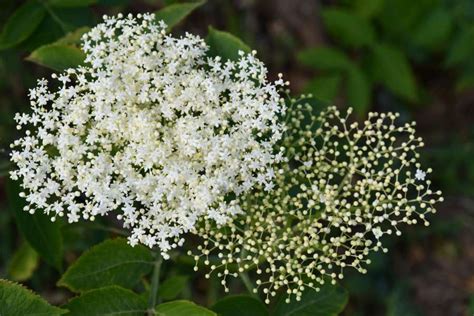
[(343, 186)]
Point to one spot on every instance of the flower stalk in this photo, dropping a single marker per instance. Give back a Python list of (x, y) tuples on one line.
[(155, 283)]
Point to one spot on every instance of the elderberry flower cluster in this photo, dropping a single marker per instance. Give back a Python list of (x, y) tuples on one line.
[(151, 129), (343, 186)]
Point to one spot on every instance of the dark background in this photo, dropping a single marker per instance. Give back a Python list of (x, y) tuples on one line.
[(427, 75)]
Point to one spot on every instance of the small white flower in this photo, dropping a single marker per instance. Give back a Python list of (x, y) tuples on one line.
[(420, 175), (377, 232)]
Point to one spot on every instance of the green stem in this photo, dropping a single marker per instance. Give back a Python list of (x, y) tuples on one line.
[(155, 282), (248, 284)]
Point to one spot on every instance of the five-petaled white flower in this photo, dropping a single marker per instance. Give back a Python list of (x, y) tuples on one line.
[(420, 175)]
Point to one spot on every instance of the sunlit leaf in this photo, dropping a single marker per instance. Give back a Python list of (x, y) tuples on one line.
[(23, 263), (57, 56)]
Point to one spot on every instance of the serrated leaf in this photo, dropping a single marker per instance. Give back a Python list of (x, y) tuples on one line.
[(329, 301), (21, 24), (58, 56), (434, 29), (225, 44), (23, 263), (112, 262), (16, 300), (110, 300), (172, 287), (43, 235), (390, 67), (324, 58), (175, 13), (347, 28), (71, 3), (239, 305), (181, 308), (358, 90), (462, 48), (324, 86)]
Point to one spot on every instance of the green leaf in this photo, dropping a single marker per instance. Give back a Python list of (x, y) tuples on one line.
[(21, 24), (71, 3), (172, 287), (462, 48), (390, 67), (16, 300), (43, 235), (110, 300), (329, 301), (325, 86), (400, 304), (175, 13), (182, 308), (69, 19), (47, 32), (324, 58), (23, 263), (397, 25), (225, 44), (367, 8), (434, 29), (349, 29), (58, 56), (239, 305), (112, 262), (358, 90), (74, 37)]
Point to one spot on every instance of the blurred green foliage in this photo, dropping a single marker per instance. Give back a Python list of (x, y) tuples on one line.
[(381, 43)]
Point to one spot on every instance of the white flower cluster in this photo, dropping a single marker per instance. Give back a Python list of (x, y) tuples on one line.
[(344, 185), (152, 129)]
